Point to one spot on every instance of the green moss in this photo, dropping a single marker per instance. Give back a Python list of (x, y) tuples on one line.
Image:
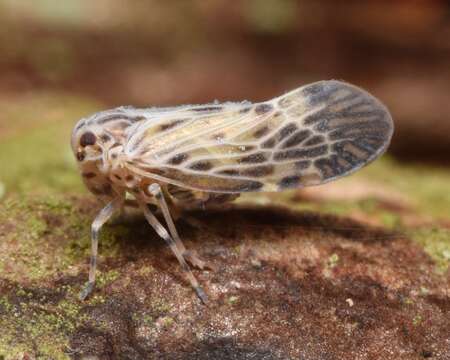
[(167, 321), (71, 309), (110, 238), (41, 327), (36, 232), (143, 319), (42, 159), (79, 248), (159, 306), (44, 165), (147, 320), (333, 260), (105, 278), (427, 186), (436, 243), (96, 299), (5, 305), (390, 220), (146, 270), (36, 227), (408, 301), (417, 320)]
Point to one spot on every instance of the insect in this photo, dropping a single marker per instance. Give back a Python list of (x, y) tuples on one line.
[(197, 155)]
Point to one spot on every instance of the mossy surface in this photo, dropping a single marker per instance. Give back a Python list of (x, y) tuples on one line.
[(275, 248), (427, 186), (436, 242)]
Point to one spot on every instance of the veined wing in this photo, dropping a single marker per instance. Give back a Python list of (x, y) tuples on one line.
[(309, 136)]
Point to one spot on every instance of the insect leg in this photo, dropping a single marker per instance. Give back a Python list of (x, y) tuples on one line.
[(103, 216), (162, 232), (190, 256)]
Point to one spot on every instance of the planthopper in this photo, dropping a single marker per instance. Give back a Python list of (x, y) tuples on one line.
[(200, 155)]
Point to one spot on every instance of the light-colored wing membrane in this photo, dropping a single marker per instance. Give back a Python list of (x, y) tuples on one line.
[(309, 136)]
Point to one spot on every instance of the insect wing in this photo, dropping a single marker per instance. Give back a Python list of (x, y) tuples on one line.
[(309, 136)]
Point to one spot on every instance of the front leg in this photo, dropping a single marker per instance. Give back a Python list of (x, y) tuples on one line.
[(103, 216)]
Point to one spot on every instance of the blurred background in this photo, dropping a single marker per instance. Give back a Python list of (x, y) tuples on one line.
[(171, 52), (64, 60)]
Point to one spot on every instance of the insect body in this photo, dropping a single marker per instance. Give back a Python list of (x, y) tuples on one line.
[(207, 154)]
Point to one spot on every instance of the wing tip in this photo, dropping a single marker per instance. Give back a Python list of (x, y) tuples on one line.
[(333, 84), (332, 98)]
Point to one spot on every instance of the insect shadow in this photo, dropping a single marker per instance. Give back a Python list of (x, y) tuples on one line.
[(214, 230), (252, 219)]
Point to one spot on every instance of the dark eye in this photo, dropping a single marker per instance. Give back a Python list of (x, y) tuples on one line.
[(88, 138)]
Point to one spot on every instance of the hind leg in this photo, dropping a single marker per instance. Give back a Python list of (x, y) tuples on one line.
[(162, 232), (190, 256)]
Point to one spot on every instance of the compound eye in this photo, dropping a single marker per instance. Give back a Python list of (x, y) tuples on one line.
[(88, 138)]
